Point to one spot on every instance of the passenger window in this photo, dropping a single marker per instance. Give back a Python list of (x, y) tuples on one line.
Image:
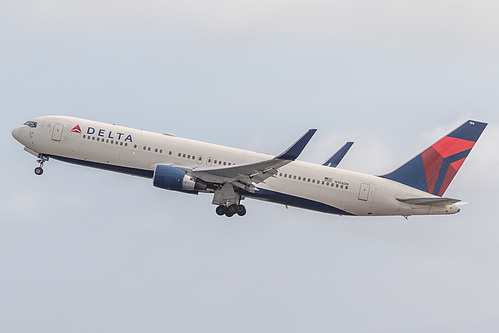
[(121, 143), (156, 150), (135, 146)]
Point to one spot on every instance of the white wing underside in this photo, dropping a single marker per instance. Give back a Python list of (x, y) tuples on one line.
[(244, 174)]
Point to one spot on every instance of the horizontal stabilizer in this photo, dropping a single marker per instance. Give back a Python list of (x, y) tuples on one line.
[(429, 201), (334, 160)]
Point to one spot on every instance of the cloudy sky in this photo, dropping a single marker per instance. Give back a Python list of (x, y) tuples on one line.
[(84, 250)]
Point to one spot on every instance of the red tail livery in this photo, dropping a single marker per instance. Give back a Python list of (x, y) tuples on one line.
[(433, 170)]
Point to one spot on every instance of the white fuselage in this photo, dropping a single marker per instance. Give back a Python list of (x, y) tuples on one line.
[(300, 184)]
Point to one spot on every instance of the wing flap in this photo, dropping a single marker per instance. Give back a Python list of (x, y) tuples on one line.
[(248, 173)]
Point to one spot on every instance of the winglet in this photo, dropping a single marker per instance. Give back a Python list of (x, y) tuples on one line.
[(296, 148), (338, 156)]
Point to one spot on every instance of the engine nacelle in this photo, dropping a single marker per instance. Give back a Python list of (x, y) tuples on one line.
[(175, 179)]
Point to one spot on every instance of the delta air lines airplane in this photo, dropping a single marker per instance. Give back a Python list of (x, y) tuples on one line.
[(231, 175)]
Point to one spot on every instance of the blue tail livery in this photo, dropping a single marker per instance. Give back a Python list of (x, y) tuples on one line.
[(434, 169)]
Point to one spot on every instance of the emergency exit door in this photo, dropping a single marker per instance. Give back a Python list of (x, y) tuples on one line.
[(57, 132), (364, 192)]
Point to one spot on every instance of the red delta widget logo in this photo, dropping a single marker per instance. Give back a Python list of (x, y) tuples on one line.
[(104, 133), (76, 129)]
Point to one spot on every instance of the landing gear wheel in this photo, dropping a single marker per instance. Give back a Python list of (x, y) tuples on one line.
[(241, 210), (231, 210), (41, 159), (221, 210)]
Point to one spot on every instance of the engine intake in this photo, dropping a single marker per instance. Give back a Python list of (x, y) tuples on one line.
[(175, 179)]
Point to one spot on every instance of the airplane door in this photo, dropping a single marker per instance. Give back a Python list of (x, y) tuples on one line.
[(364, 192), (57, 132)]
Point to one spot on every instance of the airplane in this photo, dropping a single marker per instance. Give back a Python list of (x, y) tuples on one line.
[(231, 175)]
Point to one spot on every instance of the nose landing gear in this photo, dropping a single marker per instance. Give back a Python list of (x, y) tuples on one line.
[(39, 169)]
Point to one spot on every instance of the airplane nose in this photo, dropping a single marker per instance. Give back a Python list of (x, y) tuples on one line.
[(15, 133)]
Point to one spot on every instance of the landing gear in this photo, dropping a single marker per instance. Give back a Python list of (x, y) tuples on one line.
[(230, 210), (241, 210), (221, 210), (39, 169), (228, 201)]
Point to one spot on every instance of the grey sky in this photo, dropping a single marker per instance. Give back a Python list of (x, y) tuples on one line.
[(86, 250)]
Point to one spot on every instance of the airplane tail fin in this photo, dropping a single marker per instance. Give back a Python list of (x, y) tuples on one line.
[(433, 170)]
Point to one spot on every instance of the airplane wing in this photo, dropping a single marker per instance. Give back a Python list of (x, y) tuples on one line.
[(334, 160), (245, 175), (429, 201)]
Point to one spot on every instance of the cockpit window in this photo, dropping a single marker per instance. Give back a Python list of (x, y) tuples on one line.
[(30, 123)]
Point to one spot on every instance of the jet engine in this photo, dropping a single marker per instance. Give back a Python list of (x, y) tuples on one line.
[(175, 179)]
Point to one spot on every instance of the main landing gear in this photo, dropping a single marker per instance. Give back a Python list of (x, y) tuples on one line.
[(228, 201), (39, 169), (231, 210)]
